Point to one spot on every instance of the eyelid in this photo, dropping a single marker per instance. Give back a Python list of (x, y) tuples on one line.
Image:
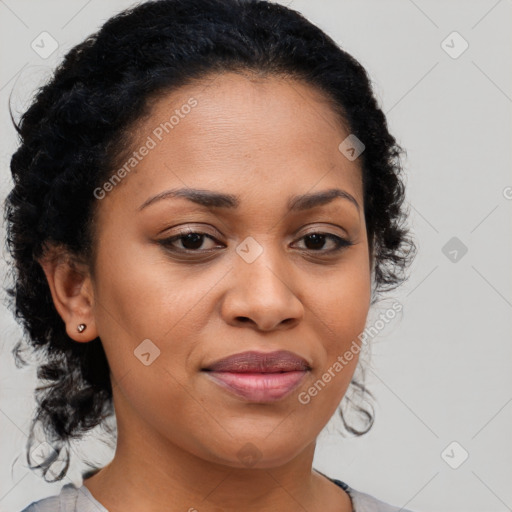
[(320, 229), (188, 228), (202, 229)]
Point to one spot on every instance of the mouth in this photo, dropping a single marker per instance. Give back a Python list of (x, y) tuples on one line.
[(258, 376)]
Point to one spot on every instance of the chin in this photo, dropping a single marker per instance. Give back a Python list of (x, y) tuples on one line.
[(256, 454)]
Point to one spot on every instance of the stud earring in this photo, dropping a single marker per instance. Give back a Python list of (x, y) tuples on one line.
[(81, 327)]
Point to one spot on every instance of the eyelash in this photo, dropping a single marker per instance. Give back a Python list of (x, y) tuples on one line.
[(341, 243)]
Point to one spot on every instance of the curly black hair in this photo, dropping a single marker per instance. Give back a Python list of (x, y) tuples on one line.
[(82, 119)]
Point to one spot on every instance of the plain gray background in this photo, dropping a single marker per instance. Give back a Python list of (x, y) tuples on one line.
[(442, 372)]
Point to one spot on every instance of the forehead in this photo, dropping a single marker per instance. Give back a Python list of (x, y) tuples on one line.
[(234, 109), (233, 131)]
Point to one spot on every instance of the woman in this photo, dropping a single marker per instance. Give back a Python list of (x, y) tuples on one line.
[(206, 203)]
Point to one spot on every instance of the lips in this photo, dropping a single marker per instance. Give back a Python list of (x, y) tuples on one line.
[(260, 362), (258, 376)]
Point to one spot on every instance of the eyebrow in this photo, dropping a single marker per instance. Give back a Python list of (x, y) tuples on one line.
[(210, 199)]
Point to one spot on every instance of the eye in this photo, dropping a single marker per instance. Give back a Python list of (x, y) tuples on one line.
[(316, 241), (193, 242), (190, 241)]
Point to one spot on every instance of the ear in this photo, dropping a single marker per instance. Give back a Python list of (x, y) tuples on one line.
[(72, 292)]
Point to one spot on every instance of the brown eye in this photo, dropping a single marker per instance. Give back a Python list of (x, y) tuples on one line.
[(193, 242), (316, 242), (190, 241)]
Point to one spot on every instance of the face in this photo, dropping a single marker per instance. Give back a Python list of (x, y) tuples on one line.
[(182, 282)]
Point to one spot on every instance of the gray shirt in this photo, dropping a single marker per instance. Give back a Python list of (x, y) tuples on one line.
[(73, 499)]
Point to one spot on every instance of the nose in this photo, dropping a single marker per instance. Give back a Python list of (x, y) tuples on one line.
[(261, 295)]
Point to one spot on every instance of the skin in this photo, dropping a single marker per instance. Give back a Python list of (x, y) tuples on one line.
[(179, 433)]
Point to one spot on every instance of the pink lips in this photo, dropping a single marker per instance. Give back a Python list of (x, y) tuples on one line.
[(259, 376)]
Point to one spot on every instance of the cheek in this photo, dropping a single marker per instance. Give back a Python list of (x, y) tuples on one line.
[(140, 299), (340, 310), (343, 301), (140, 295)]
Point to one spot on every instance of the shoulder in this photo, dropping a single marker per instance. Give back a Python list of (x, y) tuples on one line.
[(362, 502), (70, 499)]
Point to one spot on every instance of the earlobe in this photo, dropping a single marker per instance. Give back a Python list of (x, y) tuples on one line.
[(72, 294)]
